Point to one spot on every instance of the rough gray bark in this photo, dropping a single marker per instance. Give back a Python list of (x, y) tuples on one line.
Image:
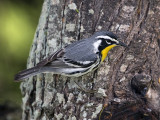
[(136, 22)]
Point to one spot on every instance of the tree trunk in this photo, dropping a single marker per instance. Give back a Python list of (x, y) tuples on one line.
[(136, 22)]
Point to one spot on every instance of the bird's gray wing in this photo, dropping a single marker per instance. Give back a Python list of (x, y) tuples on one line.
[(75, 55), (83, 52), (67, 62)]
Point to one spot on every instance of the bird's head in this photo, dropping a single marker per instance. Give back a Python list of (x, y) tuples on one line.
[(105, 41)]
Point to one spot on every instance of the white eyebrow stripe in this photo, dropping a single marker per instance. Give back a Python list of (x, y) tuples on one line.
[(107, 37)]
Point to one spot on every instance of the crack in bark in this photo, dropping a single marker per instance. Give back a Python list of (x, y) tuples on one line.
[(115, 14), (62, 22), (98, 8), (32, 96), (43, 90), (79, 21), (45, 29), (135, 26)]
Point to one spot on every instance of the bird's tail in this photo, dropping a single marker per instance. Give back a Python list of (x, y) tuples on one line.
[(26, 73)]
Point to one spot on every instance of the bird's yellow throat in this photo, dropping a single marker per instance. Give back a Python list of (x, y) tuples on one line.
[(105, 51)]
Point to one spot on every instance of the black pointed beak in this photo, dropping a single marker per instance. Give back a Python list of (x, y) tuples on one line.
[(122, 44)]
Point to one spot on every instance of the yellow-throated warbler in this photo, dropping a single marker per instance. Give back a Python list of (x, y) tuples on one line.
[(77, 58)]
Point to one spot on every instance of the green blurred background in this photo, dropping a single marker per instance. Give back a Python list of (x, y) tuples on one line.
[(18, 22)]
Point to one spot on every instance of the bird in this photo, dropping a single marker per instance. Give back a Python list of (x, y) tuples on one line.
[(77, 58)]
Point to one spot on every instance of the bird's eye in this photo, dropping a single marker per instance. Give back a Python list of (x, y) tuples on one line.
[(108, 41)]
